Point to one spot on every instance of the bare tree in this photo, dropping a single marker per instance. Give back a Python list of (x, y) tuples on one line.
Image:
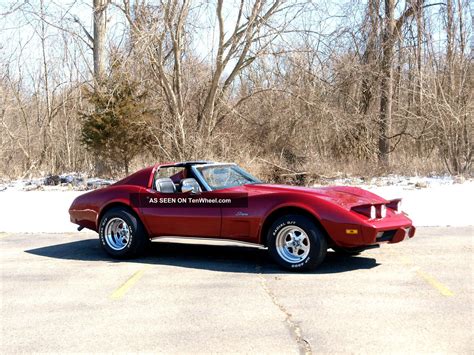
[(386, 87), (100, 31), (236, 51), (285, 86), (370, 56)]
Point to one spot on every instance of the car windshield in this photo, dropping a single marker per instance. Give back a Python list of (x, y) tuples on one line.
[(224, 176)]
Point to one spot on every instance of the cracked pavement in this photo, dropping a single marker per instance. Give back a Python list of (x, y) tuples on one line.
[(61, 293)]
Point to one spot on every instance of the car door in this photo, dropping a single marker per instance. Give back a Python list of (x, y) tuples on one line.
[(177, 217), (181, 220), (242, 222)]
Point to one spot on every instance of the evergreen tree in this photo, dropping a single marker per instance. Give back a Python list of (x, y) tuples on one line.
[(117, 130)]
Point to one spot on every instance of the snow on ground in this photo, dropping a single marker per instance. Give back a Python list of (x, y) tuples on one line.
[(437, 201), (429, 201), (36, 211), (440, 205), (64, 182)]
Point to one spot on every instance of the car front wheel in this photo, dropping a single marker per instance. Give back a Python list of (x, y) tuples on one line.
[(121, 234), (296, 243)]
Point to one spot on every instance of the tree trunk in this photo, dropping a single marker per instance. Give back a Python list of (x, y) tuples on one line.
[(369, 57), (386, 86), (100, 28), (450, 45), (419, 56)]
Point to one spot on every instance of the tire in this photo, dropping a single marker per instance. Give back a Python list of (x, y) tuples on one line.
[(296, 243), (121, 234), (344, 251)]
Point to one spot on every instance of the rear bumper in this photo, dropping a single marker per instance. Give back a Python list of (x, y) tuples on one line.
[(83, 218)]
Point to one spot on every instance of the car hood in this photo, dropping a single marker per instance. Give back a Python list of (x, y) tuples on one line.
[(344, 196)]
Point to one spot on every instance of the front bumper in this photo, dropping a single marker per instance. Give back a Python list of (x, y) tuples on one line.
[(393, 229), (395, 235)]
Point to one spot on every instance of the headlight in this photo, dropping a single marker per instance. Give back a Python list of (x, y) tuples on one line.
[(373, 212), (367, 210), (395, 205), (383, 211)]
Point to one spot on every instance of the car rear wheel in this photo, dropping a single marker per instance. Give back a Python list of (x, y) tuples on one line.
[(296, 243), (121, 234)]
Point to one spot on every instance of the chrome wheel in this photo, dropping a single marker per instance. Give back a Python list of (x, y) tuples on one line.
[(117, 233), (292, 244)]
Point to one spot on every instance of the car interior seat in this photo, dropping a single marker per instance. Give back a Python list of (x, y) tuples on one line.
[(190, 184), (165, 185)]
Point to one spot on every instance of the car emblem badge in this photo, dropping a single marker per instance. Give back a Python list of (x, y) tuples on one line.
[(240, 213)]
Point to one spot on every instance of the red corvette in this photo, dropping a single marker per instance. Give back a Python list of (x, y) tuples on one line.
[(201, 199)]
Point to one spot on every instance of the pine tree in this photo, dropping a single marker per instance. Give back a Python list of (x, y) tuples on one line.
[(117, 130)]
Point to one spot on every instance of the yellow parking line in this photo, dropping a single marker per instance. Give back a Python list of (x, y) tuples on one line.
[(119, 292), (444, 290), (435, 283)]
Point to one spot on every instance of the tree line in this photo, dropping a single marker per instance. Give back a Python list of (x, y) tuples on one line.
[(291, 89)]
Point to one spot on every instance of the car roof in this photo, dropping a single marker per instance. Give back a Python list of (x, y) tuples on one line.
[(186, 163), (192, 163)]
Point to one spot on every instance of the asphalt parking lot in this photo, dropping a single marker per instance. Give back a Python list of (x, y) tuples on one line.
[(61, 293)]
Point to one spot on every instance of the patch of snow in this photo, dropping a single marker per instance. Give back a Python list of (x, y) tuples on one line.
[(64, 182), (434, 205), (36, 211), (430, 201), (398, 180)]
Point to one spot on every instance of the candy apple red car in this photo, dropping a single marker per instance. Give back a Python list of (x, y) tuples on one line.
[(220, 201)]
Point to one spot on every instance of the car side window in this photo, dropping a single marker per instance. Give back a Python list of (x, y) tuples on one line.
[(177, 176), (174, 173)]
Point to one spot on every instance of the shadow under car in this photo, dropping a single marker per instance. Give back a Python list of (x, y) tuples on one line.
[(207, 257)]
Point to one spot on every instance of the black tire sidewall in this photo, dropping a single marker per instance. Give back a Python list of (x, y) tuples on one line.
[(132, 247), (318, 245)]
